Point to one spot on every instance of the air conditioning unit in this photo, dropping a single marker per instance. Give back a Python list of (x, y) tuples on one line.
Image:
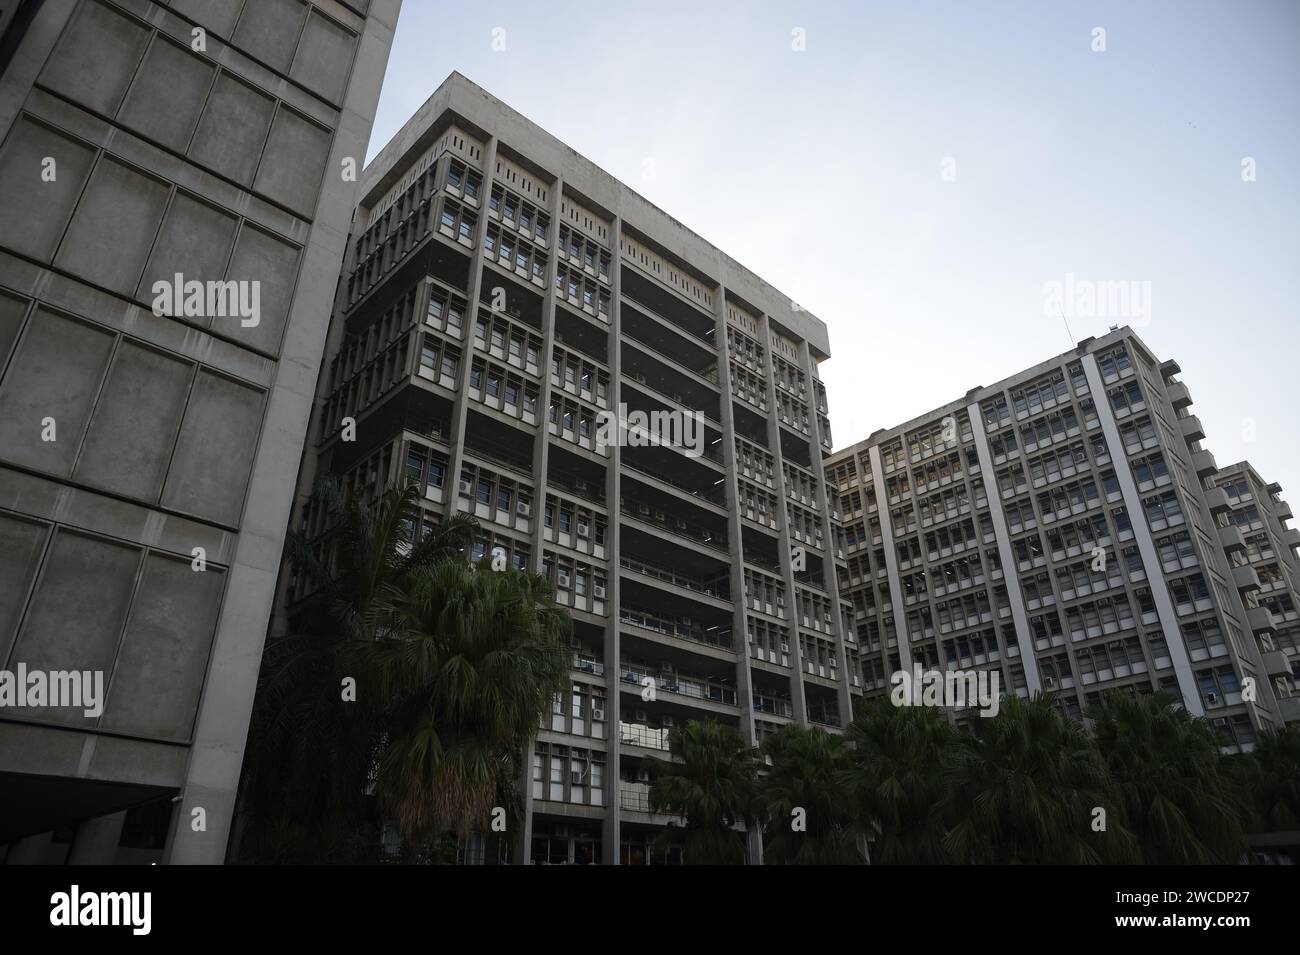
[(564, 577), (643, 510), (597, 712), (575, 778), (640, 716), (523, 509), (1049, 682), (582, 530), (1220, 721), (1212, 698), (666, 722), (464, 487), (643, 775), (599, 591), (666, 668)]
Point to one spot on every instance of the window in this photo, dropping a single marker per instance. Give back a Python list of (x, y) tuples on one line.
[(484, 492), (415, 464)]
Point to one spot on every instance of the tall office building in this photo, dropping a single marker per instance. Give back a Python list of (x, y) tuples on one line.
[(1264, 546), (501, 292), (149, 446), (1061, 528)]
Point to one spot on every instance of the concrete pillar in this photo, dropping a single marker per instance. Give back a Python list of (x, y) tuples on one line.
[(31, 850), (96, 840)]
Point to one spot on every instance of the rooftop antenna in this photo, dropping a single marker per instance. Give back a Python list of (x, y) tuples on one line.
[(1065, 322)]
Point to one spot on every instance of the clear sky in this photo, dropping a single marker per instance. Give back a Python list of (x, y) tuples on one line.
[(919, 172)]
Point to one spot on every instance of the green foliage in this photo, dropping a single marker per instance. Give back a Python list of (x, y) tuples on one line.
[(711, 782), (453, 667), (808, 813)]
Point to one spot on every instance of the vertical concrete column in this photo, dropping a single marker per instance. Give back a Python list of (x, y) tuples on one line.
[(783, 528), (95, 842), (1010, 574), (830, 576), (611, 838), (30, 850), (891, 560), (460, 410), (541, 455), (1146, 546), (739, 626)]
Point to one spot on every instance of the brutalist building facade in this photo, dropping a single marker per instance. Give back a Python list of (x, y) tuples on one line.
[(149, 441), (1065, 528), (500, 293)]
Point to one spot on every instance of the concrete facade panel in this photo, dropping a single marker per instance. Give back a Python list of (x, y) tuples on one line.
[(134, 426), (54, 374), (36, 209), (209, 470), (159, 672)]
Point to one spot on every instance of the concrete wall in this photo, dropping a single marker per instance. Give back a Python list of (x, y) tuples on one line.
[(129, 152)]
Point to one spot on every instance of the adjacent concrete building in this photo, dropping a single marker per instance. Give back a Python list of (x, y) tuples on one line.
[(501, 292), (1259, 543), (1061, 527), (147, 462)]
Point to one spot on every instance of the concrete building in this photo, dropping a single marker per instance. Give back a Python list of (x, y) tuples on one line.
[(1060, 527), (1264, 546), (500, 292), (148, 454)]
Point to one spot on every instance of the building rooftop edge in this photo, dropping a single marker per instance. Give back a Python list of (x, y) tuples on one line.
[(492, 116)]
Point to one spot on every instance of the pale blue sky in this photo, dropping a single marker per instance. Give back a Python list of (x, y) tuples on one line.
[(822, 171)]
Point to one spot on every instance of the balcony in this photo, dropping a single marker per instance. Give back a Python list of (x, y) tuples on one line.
[(1217, 498), (646, 737), (1179, 395), (1261, 620), (1276, 663), (1291, 537), (718, 588), (699, 688), (1203, 463), (774, 706), (588, 664), (1246, 579), (1289, 706), (634, 797), (1282, 511), (1231, 539), (1191, 428), (680, 628)]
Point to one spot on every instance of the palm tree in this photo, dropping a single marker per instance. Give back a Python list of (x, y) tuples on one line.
[(1272, 775), (471, 658), (310, 760), (1022, 788), (808, 815), (711, 782), (1176, 795), (895, 778)]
